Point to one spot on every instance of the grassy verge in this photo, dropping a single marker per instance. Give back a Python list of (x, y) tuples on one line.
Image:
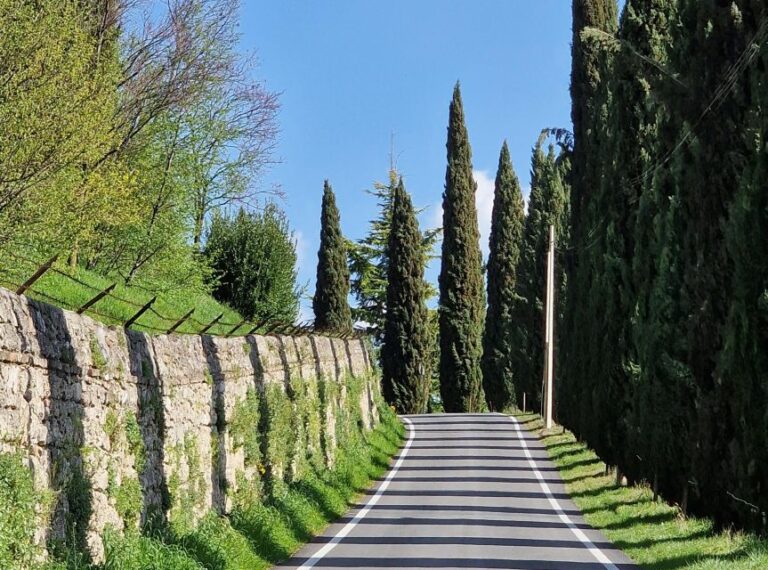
[(656, 535), (72, 288)]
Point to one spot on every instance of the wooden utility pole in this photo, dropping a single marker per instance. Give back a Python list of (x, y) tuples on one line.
[(549, 326)]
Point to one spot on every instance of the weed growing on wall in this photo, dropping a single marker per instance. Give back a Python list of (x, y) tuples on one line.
[(186, 496), (278, 434), (243, 428), (135, 442), (97, 356), (349, 421), (127, 495), (328, 400), (286, 494)]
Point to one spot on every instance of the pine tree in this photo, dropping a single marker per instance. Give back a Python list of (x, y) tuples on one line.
[(461, 275), (368, 261), (504, 313), (330, 303), (406, 354)]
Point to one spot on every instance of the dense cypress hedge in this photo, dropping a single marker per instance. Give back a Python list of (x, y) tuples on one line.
[(665, 361)]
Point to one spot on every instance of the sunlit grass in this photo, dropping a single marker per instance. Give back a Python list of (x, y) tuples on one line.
[(654, 534), (124, 301)]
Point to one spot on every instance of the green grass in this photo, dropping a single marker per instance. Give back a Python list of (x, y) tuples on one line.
[(656, 535), (58, 287), (259, 535)]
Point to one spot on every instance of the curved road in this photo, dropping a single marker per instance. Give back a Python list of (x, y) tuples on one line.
[(466, 491)]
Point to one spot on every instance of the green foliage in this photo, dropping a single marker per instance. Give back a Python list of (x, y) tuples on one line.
[(186, 496), (97, 356), (406, 372), (254, 261), (57, 100), (278, 441), (129, 501), (589, 95), (662, 371), (368, 261), (243, 427), (548, 205), (330, 303), (120, 139), (502, 338), (135, 442), (18, 518), (461, 276)]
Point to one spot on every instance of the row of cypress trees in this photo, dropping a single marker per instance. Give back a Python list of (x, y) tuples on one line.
[(664, 351), (490, 347), (405, 352), (491, 342)]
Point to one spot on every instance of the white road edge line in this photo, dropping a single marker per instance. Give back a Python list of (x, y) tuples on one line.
[(594, 550), (320, 554)]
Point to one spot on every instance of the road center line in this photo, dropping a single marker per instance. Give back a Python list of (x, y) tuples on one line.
[(320, 554), (589, 545)]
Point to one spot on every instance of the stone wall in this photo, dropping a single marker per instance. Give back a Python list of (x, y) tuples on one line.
[(115, 421)]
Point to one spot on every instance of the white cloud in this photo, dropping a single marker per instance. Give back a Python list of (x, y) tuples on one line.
[(526, 197)]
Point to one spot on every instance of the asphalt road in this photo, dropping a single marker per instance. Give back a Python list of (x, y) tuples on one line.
[(466, 491)]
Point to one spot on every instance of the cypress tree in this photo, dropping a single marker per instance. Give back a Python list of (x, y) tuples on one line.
[(330, 303), (588, 112), (461, 275), (638, 91), (501, 338), (548, 205), (744, 361), (706, 187), (406, 375)]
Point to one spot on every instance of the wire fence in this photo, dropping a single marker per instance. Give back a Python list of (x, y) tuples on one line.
[(42, 280)]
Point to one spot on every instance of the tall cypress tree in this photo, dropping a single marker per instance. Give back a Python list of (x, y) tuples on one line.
[(406, 374), (502, 338), (330, 303), (705, 189), (638, 91), (461, 275), (588, 112), (548, 205), (744, 360)]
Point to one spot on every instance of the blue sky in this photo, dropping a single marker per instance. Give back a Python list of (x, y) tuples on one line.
[(354, 72)]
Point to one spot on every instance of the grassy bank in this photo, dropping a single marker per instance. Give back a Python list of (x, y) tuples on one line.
[(71, 288), (656, 535), (256, 536)]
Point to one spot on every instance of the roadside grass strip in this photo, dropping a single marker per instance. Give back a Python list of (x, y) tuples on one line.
[(654, 534)]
